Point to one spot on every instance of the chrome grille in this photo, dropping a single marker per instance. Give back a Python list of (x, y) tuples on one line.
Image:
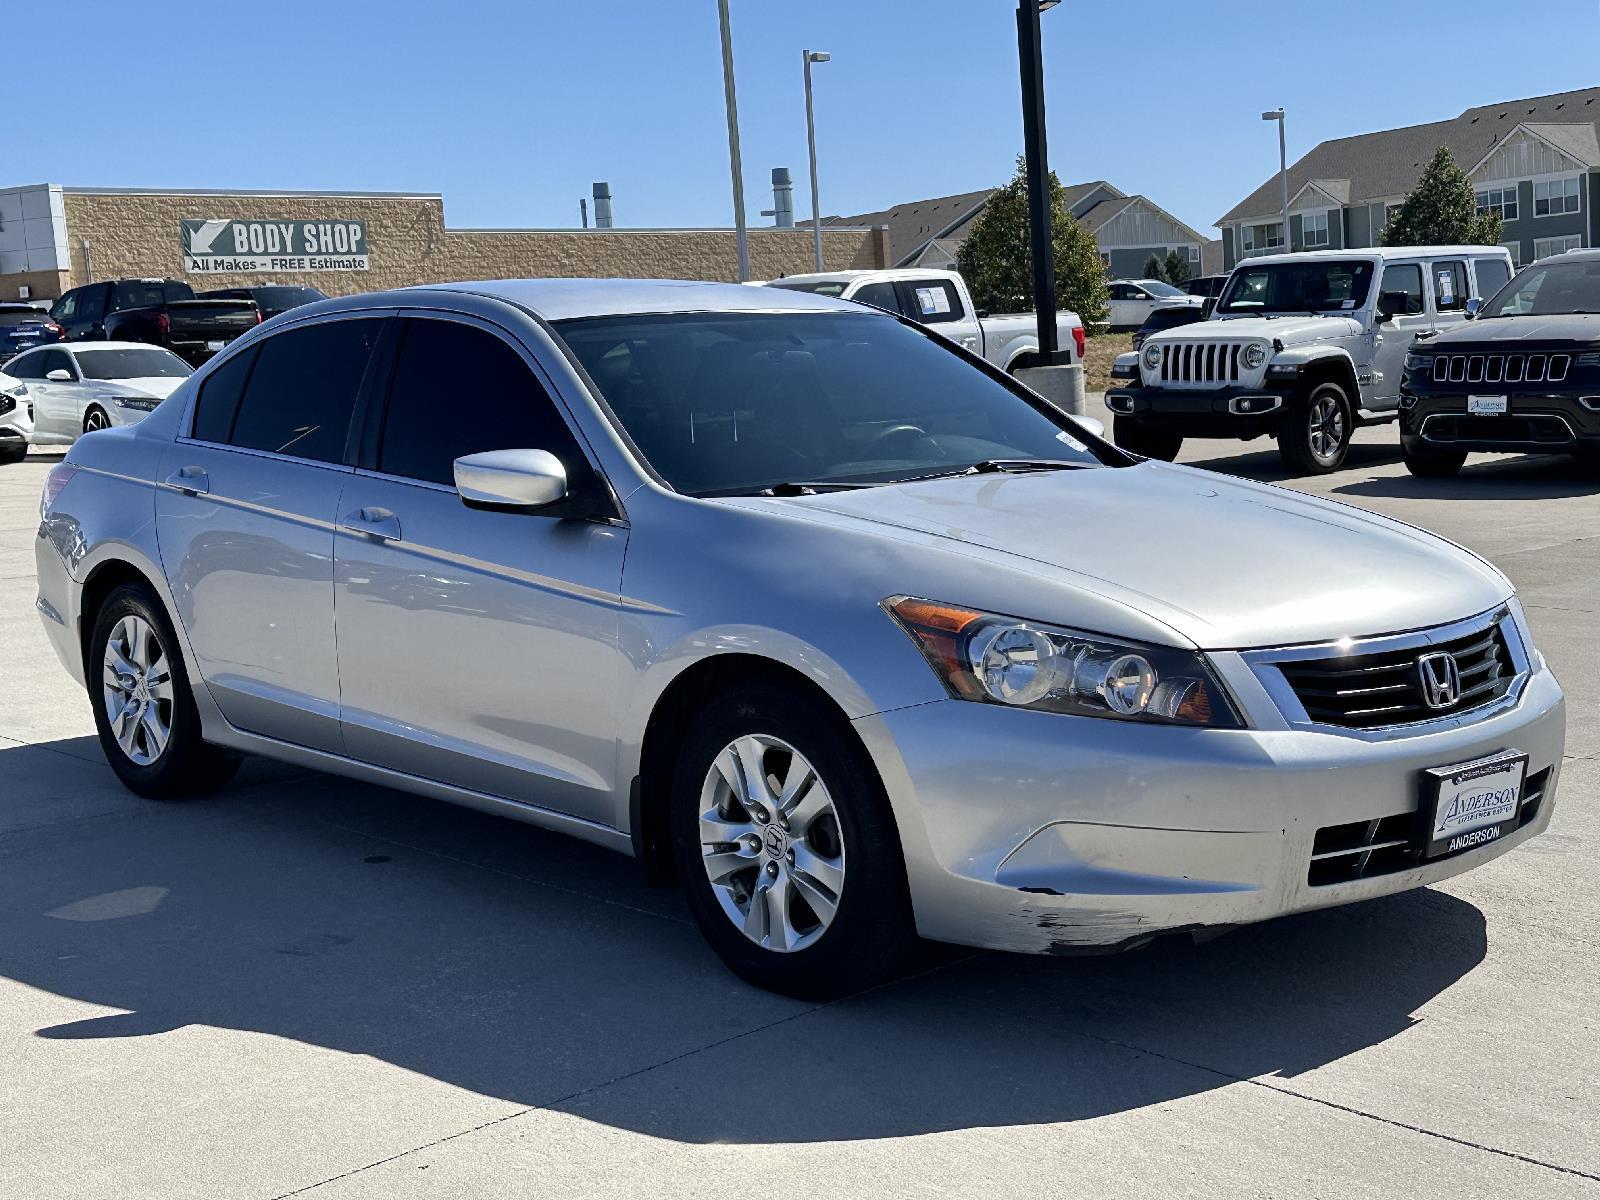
[(1371, 691), (1200, 362), (1500, 368)]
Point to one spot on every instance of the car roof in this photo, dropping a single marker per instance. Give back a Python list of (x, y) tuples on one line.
[(888, 274), (566, 299), (1382, 253)]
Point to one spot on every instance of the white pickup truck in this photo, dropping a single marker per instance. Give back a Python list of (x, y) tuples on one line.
[(940, 300)]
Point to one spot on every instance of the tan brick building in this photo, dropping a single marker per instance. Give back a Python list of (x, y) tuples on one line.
[(53, 238)]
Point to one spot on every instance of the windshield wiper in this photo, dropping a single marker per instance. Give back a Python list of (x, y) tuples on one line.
[(804, 489), (1001, 466)]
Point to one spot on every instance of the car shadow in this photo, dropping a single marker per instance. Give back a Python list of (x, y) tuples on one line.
[(1518, 477), (1267, 465), (525, 966)]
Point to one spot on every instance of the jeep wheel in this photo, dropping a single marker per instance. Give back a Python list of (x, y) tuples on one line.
[(1138, 439), (1315, 434), (1426, 462)]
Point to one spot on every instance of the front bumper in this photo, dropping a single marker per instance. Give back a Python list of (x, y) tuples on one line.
[(1042, 833), (1231, 412), (1554, 422), (16, 421)]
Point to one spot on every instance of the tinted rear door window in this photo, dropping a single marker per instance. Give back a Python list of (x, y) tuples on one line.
[(219, 398), (933, 301), (26, 366), (304, 388), (500, 404)]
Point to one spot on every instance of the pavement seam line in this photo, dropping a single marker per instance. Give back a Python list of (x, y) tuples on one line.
[(590, 1089), (1298, 1095)]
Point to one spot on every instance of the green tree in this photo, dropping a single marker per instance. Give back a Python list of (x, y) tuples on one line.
[(997, 260), (1176, 267), (1442, 211), (1155, 267)]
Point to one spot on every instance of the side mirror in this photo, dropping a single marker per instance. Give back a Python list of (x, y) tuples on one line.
[(1474, 307), (510, 479), (1382, 317), (983, 314), (1093, 424), (59, 376)]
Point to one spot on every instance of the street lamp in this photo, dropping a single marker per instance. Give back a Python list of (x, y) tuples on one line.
[(814, 56), (734, 164), (1283, 172), (1031, 57)]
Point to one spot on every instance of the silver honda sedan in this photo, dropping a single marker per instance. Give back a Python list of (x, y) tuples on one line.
[(852, 636)]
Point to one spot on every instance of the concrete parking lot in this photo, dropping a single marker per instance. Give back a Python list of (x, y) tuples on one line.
[(306, 985)]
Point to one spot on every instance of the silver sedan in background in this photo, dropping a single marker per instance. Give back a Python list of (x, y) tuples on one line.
[(824, 618), (77, 388)]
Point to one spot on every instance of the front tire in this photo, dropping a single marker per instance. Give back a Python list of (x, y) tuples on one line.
[(1315, 434), (1140, 439), (1427, 463), (94, 419), (144, 710), (787, 847), (13, 453)]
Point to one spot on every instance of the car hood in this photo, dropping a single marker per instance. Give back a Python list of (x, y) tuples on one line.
[(1291, 331), (159, 386), (1225, 563), (1567, 327)]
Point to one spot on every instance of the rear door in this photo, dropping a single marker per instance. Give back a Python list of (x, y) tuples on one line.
[(477, 648), (245, 522), (937, 304), (1452, 288)]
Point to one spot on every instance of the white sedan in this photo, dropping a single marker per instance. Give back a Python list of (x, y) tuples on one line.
[(76, 388), (1132, 300), (16, 419)]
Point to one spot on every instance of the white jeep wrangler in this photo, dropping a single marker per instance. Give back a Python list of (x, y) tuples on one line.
[(1304, 347)]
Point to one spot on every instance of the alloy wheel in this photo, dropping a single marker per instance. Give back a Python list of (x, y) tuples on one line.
[(137, 690), (771, 843), (95, 420), (1326, 427)]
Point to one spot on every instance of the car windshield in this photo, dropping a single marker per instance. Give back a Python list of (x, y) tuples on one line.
[(133, 363), (1549, 289), (274, 300), (828, 287), (1297, 287), (728, 403), (1156, 288)]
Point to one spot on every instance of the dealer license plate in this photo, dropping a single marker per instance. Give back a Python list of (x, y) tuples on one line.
[(215, 345), (1473, 803), (1486, 406)]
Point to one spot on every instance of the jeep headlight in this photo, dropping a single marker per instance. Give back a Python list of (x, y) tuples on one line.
[(993, 659), (1152, 356), (1419, 362), (1254, 355)]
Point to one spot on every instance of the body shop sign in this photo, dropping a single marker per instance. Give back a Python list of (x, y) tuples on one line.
[(218, 247)]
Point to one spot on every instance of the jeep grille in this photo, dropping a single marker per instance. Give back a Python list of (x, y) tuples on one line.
[(1198, 363)]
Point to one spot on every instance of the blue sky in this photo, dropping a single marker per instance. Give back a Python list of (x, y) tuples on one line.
[(511, 108)]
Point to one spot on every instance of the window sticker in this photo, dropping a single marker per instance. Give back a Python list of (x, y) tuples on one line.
[(932, 300), (1447, 286)]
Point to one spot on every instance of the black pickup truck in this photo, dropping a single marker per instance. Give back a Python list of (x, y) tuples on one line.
[(160, 312)]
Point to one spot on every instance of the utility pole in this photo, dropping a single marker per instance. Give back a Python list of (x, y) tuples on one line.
[(741, 234), (814, 56)]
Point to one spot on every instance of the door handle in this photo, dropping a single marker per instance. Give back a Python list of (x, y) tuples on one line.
[(377, 523), (191, 480)]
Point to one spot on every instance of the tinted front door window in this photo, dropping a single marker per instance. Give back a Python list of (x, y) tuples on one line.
[(1400, 294), (92, 304), (219, 398), (457, 391), (304, 388)]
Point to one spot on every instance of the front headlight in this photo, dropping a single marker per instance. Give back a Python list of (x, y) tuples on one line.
[(138, 403), (1152, 355), (1254, 355), (1419, 362), (994, 659)]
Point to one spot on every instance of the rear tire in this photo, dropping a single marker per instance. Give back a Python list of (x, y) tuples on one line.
[(1427, 463), (144, 710), (810, 895), (1314, 435), (1139, 439)]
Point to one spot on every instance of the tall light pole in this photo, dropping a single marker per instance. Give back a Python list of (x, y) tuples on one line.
[(814, 56), (1283, 172), (741, 235), (1031, 57)]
